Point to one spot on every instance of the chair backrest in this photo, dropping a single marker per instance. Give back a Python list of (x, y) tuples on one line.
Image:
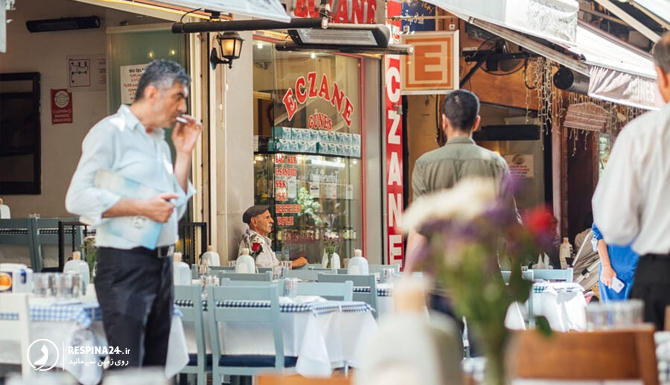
[(625, 354), (216, 269), (306, 275), (184, 295), (528, 275), (266, 315), (267, 276), (17, 329), (366, 281), (337, 291), (317, 266), (280, 284), (553, 274)]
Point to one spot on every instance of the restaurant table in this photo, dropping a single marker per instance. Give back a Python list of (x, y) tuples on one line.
[(384, 297), (74, 325), (322, 334), (562, 303)]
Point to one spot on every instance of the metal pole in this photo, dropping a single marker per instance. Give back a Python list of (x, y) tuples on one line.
[(247, 25)]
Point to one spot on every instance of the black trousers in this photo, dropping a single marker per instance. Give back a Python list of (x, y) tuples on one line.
[(652, 285), (136, 295)]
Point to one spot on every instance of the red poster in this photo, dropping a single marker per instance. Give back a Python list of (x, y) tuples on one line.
[(394, 177), (61, 106)]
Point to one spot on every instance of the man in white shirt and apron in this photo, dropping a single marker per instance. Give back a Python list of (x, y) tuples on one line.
[(632, 201)]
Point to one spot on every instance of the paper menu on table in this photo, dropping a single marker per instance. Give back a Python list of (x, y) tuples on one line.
[(136, 229)]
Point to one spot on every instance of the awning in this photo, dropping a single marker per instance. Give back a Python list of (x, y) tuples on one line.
[(261, 9), (659, 9), (553, 20), (618, 72)]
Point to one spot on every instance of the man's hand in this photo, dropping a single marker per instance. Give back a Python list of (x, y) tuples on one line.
[(606, 275), (159, 208), (185, 135)]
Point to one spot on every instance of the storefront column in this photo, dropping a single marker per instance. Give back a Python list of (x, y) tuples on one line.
[(231, 147)]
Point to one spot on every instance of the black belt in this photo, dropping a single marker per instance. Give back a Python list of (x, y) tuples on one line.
[(159, 252), (656, 256)]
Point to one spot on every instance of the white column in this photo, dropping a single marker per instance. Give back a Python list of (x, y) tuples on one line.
[(231, 147)]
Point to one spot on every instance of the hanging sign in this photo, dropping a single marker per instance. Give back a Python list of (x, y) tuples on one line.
[(434, 67), (310, 87), (393, 139), (61, 106), (424, 14)]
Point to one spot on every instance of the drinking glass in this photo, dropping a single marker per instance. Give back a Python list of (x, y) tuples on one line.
[(65, 286), (387, 275), (76, 284), (52, 289), (291, 286), (231, 263), (41, 285), (277, 272), (288, 265)]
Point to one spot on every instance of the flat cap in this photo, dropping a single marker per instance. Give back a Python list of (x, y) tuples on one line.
[(253, 211)]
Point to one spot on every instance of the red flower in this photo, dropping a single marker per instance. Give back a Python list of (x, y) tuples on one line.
[(540, 221), (255, 247)]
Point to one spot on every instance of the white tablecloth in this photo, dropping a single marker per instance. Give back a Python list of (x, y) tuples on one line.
[(562, 303), (80, 325), (320, 340)]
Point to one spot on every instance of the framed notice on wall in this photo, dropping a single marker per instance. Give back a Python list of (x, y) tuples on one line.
[(434, 67)]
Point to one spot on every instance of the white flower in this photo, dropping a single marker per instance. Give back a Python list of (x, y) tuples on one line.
[(466, 200)]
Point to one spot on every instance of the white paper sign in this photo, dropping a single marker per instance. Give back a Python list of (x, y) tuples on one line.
[(130, 77), (331, 190), (292, 187), (87, 73), (349, 192), (314, 190), (520, 166)]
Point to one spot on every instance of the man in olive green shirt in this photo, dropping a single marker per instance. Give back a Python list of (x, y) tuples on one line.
[(458, 159)]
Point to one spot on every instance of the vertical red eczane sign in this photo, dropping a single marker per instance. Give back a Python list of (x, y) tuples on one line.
[(394, 177)]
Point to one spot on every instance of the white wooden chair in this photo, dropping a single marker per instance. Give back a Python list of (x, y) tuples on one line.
[(337, 291), (17, 327), (200, 363)]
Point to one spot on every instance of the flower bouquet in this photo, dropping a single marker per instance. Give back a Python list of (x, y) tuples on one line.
[(331, 244), (471, 231)]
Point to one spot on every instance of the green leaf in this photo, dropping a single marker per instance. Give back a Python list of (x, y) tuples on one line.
[(542, 325)]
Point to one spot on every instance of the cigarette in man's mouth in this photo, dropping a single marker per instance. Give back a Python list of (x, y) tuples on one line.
[(182, 120)]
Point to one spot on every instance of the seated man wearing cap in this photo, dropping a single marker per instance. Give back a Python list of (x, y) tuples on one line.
[(256, 237)]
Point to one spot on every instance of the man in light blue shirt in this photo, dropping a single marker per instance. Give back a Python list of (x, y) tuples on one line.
[(134, 272)]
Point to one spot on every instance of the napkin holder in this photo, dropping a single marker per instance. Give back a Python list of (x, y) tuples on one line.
[(245, 264)]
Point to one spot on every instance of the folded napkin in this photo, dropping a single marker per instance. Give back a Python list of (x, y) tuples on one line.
[(301, 299), (542, 262)]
